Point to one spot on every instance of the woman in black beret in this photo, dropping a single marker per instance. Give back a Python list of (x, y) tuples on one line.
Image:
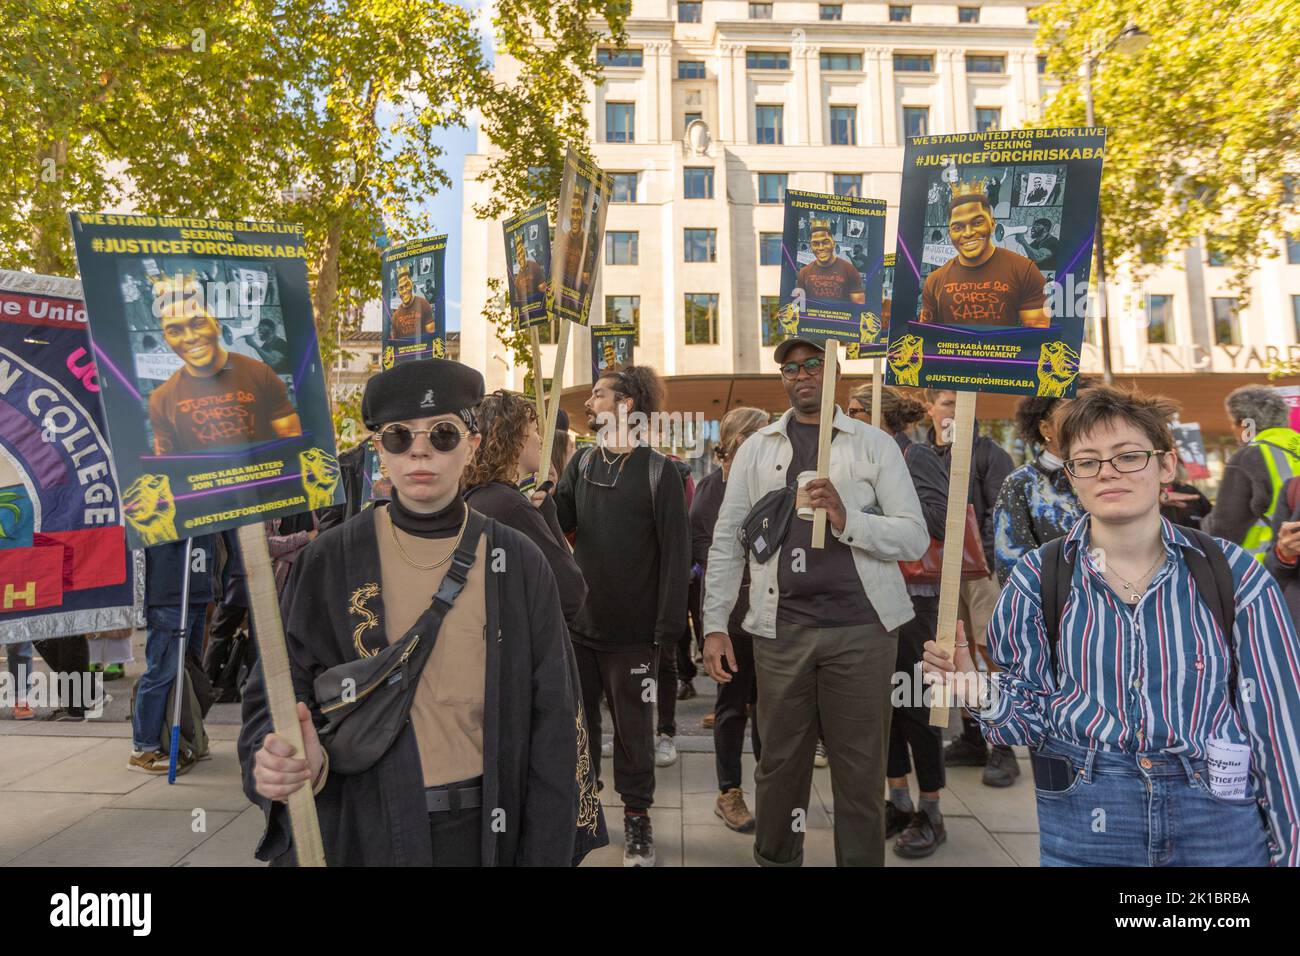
[(491, 767)]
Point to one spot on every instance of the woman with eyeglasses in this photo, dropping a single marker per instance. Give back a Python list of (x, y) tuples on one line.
[(1152, 670), (738, 688), (486, 767)]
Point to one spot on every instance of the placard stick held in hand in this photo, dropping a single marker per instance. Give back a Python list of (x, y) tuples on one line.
[(553, 406), (264, 605), (954, 535), (824, 436), (877, 387)]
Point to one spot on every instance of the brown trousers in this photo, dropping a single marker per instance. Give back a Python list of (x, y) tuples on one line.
[(835, 680)]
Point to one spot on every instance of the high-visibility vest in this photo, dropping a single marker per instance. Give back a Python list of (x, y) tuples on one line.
[(1281, 450)]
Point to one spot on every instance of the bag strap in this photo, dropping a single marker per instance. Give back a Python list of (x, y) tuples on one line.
[(453, 582), (1292, 494), (1216, 587), (1055, 578), (657, 462)]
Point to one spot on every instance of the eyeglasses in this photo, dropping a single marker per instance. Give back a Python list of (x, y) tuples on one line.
[(397, 439), (812, 366), (1126, 463), (858, 412)]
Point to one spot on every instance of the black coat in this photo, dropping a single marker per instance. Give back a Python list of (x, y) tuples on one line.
[(537, 784), (990, 465)]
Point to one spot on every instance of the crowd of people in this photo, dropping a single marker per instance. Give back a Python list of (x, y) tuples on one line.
[(491, 610)]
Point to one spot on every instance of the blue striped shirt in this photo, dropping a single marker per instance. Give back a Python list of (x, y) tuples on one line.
[(1152, 677)]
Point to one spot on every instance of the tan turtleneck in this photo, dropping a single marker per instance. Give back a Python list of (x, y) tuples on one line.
[(447, 713)]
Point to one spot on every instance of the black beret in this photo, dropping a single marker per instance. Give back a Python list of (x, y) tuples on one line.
[(420, 389)]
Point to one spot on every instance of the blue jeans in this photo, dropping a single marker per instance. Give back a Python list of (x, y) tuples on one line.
[(160, 670), (1151, 809), (19, 658)]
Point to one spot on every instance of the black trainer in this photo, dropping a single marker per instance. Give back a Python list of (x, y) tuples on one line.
[(963, 752), (685, 690), (1002, 768), (921, 838), (896, 820), (638, 840)]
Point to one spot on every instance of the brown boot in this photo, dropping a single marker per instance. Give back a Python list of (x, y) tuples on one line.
[(731, 808)]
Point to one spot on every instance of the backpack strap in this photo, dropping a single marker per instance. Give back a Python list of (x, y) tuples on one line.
[(1292, 494), (1214, 583), (1055, 578), (657, 462)]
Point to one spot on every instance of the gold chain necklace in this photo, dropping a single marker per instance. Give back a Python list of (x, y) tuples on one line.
[(437, 564), (606, 459), (1134, 593)]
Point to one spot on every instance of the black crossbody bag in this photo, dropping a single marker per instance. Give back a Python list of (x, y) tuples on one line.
[(366, 702), (765, 527)]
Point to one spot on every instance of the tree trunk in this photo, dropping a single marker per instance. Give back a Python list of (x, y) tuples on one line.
[(325, 294)]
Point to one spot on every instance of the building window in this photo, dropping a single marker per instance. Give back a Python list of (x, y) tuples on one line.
[(608, 56), (900, 14), (1042, 65), (1215, 256), (769, 123), (968, 14), (1227, 330), (987, 118), (760, 11), (689, 118), (768, 307), (771, 188), (701, 245), (689, 12), (620, 122), (701, 318), (1160, 319), (844, 126), (1293, 250), (980, 63), (767, 59), (848, 184), (621, 248), (690, 70), (769, 248), (698, 182), (1295, 312), (916, 120), (549, 334), (624, 310), (841, 61), (830, 11), (913, 63), (624, 187)]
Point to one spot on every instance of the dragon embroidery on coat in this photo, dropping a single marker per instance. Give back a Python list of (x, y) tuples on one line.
[(369, 620)]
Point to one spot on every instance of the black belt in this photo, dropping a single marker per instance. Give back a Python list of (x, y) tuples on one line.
[(462, 795)]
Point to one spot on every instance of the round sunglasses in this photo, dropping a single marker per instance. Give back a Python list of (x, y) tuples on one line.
[(397, 438)]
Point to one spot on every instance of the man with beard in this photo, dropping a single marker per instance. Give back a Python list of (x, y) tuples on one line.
[(1040, 245), (984, 284), (828, 276), (825, 620), (530, 283), (218, 398), (413, 314), (628, 506)]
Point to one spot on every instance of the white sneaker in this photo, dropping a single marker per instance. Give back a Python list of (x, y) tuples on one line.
[(819, 757), (607, 748), (665, 751)]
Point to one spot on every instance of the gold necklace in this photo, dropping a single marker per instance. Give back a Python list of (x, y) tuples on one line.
[(606, 459), (437, 564), (1134, 593)]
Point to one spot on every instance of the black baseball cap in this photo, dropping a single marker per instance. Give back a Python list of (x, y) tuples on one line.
[(783, 348)]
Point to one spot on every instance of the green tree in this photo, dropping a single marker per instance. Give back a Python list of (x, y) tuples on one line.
[(1203, 130)]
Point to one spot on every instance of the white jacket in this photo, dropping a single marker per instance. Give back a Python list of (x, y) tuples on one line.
[(868, 471)]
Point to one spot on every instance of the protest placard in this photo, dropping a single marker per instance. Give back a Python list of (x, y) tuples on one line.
[(612, 346), (413, 301)]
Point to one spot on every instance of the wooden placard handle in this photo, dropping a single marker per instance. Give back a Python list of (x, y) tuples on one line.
[(553, 406), (824, 435), (954, 534), (877, 388), (543, 466), (264, 605)]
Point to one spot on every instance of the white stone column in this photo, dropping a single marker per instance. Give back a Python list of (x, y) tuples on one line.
[(811, 70), (660, 84), (727, 120), (890, 135), (959, 120), (873, 101)]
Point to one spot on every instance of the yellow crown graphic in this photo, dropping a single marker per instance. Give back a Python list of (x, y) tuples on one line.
[(822, 224), (974, 189)]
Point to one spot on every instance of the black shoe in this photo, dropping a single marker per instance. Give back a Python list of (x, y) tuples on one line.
[(64, 715), (1002, 768), (685, 690), (921, 838), (638, 840), (962, 752), (896, 820)]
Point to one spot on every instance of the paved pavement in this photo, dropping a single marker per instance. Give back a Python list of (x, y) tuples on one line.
[(69, 800)]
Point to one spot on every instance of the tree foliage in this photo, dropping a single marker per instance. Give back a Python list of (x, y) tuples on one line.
[(1204, 134)]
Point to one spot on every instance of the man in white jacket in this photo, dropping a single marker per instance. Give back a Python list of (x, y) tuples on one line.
[(826, 620)]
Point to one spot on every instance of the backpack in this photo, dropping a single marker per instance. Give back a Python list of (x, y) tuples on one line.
[(194, 707), (1210, 572), (657, 460)]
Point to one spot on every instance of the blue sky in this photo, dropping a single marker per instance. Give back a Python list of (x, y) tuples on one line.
[(444, 210)]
